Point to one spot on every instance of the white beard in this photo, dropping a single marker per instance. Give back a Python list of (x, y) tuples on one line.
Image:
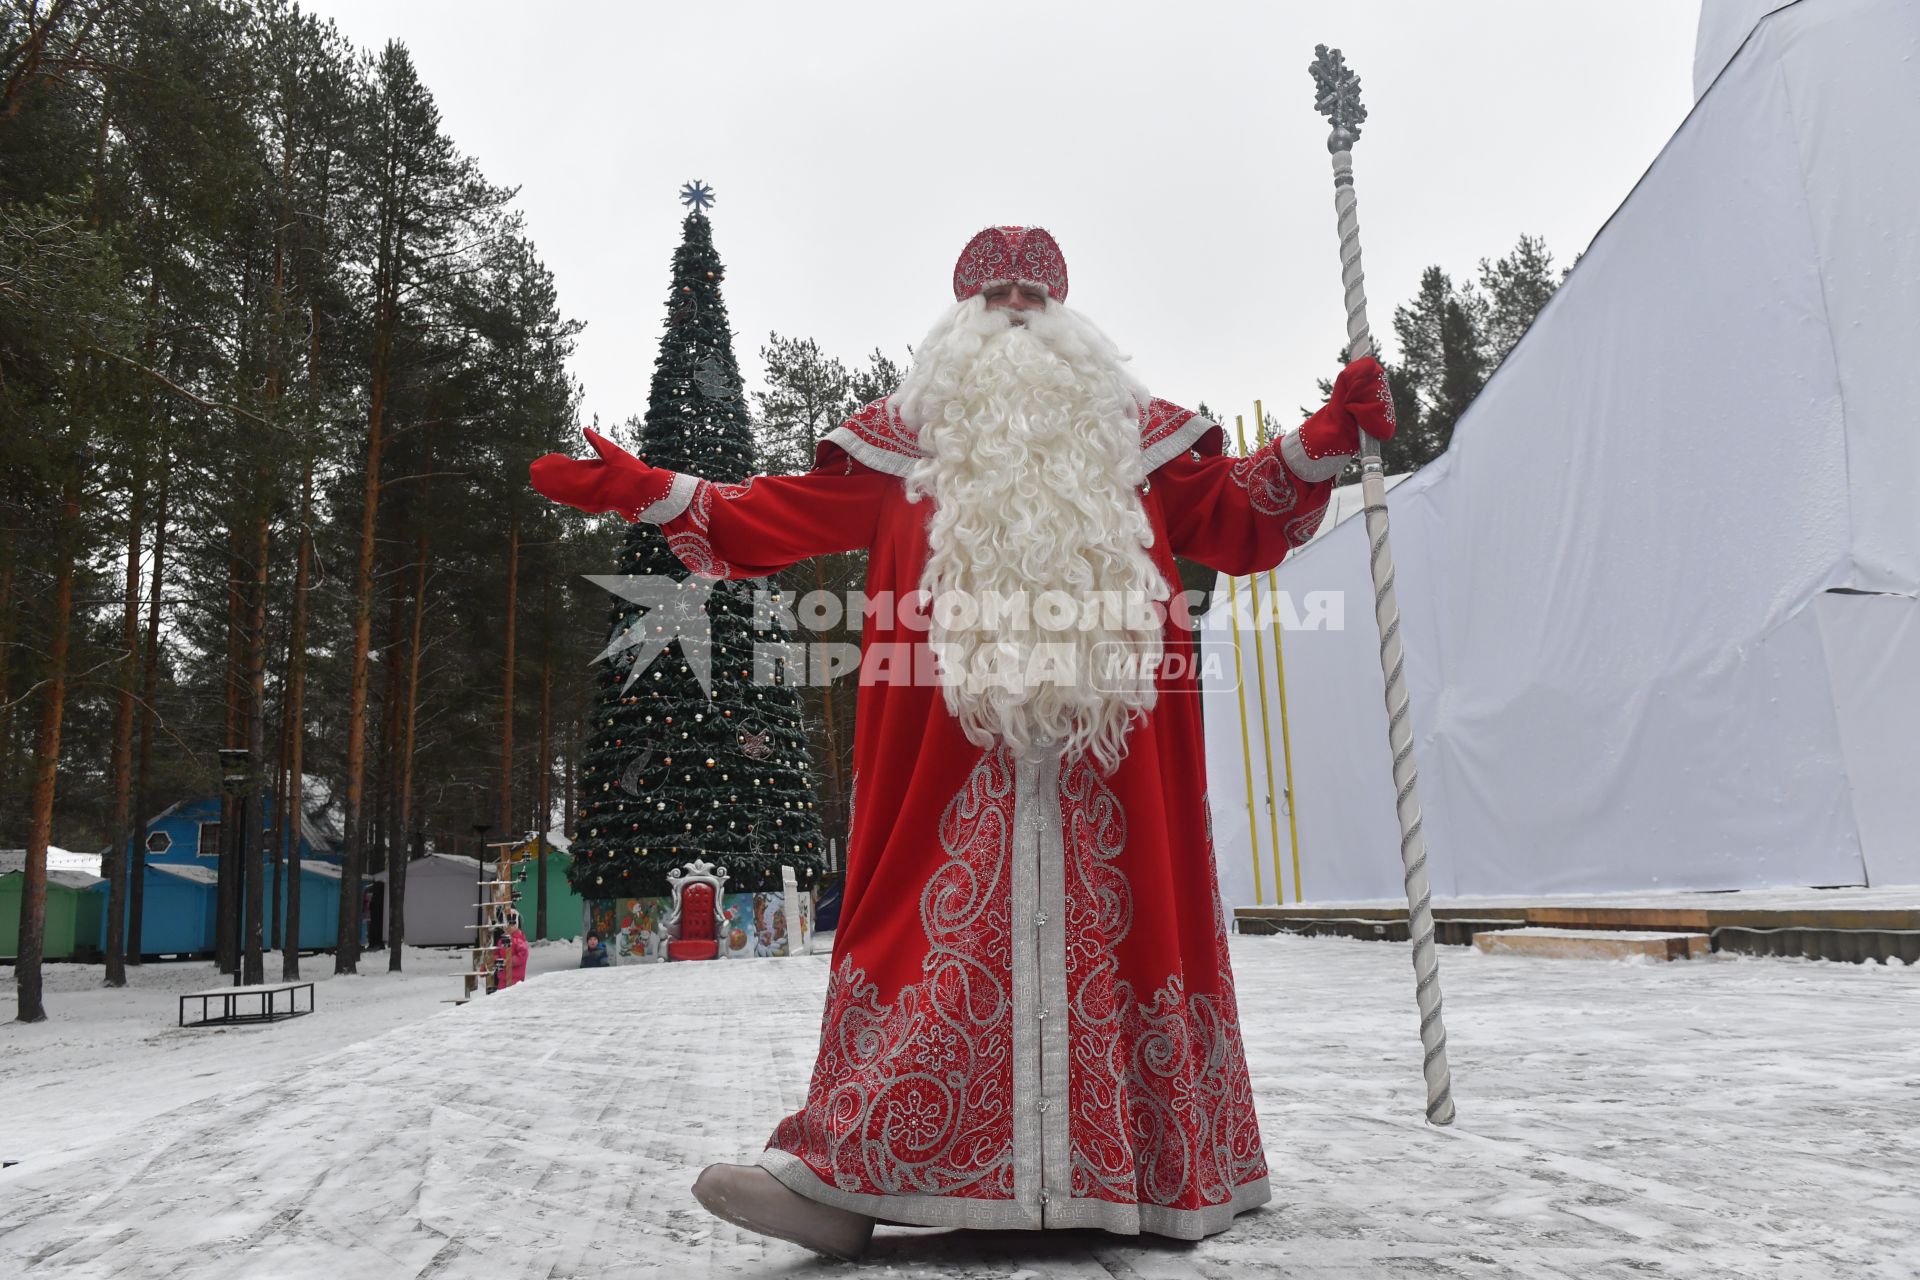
[(1031, 437)]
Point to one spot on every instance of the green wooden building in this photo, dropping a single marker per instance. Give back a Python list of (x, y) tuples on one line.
[(566, 910), (74, 912)]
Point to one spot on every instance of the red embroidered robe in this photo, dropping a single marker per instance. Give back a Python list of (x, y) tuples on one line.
[(1031, 1021)]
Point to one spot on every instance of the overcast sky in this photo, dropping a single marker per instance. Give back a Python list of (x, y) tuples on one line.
[(1172, 149)]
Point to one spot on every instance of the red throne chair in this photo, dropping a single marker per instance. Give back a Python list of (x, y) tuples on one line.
[(693, 927)]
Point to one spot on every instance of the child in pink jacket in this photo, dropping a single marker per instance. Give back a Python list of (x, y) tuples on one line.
[(517, 950)]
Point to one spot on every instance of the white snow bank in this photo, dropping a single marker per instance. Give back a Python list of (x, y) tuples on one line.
[(105, 1060), (1725, 1118)]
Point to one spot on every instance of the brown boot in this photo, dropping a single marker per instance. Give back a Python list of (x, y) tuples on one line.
[(751, 1197)]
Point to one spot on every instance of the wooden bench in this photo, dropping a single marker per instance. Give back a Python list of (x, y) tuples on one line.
[(264, 999)]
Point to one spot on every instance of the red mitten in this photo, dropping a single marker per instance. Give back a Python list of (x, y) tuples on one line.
[(1361, 401), (614, 481), (1362, 389)]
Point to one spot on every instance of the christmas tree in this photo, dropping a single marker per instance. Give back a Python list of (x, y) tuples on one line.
[(671, 774)]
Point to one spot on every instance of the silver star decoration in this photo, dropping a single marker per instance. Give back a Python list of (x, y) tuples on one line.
[(630, 776), (711, 379), (697, 195)]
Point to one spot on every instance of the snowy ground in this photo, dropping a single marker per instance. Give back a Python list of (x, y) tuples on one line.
[(118, 1057), (1731, 1117), (1857, 898)]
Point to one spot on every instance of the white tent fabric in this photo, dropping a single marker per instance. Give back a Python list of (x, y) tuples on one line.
[(1241, 728), (1625, 670), (1875, 641), (1724, 27), (1342, 506)]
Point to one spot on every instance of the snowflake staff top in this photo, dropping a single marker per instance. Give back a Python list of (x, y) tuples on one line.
[(1338, 96), (698, 195)]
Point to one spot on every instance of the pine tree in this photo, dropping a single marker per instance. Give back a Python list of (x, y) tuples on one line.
[(418, 199), (1443, 355), (224, 234), (1452, 337), (809, 393), (1516, 287), (670, 774)]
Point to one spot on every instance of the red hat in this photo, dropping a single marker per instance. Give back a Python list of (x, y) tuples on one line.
[(999, 255)]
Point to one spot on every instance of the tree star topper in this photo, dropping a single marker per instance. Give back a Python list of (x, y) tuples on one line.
[(1338, 96), (697, 195)]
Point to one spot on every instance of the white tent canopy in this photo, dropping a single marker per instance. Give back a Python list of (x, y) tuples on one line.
[(1724, 27), (1659, 597)]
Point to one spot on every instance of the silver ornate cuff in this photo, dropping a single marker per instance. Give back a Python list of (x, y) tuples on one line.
[(678, 496), (1309, 469)]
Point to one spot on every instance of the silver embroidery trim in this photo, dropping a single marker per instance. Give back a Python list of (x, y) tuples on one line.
[(675, 502), (1056, 1054), (966, 907), (1035, 876), (1181, 1224), (1022, 884), (869, 454), (1106, 893), (952, 1211), (1311, 470), (1156, 455), (1164, 450)]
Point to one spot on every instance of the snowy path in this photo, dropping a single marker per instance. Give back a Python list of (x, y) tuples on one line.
[(118, 1057), (1723, 1118)]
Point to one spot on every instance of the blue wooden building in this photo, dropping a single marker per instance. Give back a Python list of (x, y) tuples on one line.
[(179, 907), (189, 833), (182, 845)]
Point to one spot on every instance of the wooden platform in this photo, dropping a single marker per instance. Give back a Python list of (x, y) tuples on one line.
[(1852, 924), (1594, 944)]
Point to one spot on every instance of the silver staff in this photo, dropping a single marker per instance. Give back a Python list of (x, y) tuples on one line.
[(1338, 99)]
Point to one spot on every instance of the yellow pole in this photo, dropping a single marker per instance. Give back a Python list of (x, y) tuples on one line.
[(1266, 732), (1286, 733), (1246, 735)]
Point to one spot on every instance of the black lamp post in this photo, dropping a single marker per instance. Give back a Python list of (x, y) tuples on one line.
[(237, 781)]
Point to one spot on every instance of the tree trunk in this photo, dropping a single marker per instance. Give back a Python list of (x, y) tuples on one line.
[(251, 850), (346, 957), (297, 630), (543, 779), (277, 835), (124, 846), (572, 751), (228, 888), (244, 841), (397, 874), (392, 692), (261, 837), (8, 551), (46, 762), (149, 693), (297, 724), (506, 706)]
